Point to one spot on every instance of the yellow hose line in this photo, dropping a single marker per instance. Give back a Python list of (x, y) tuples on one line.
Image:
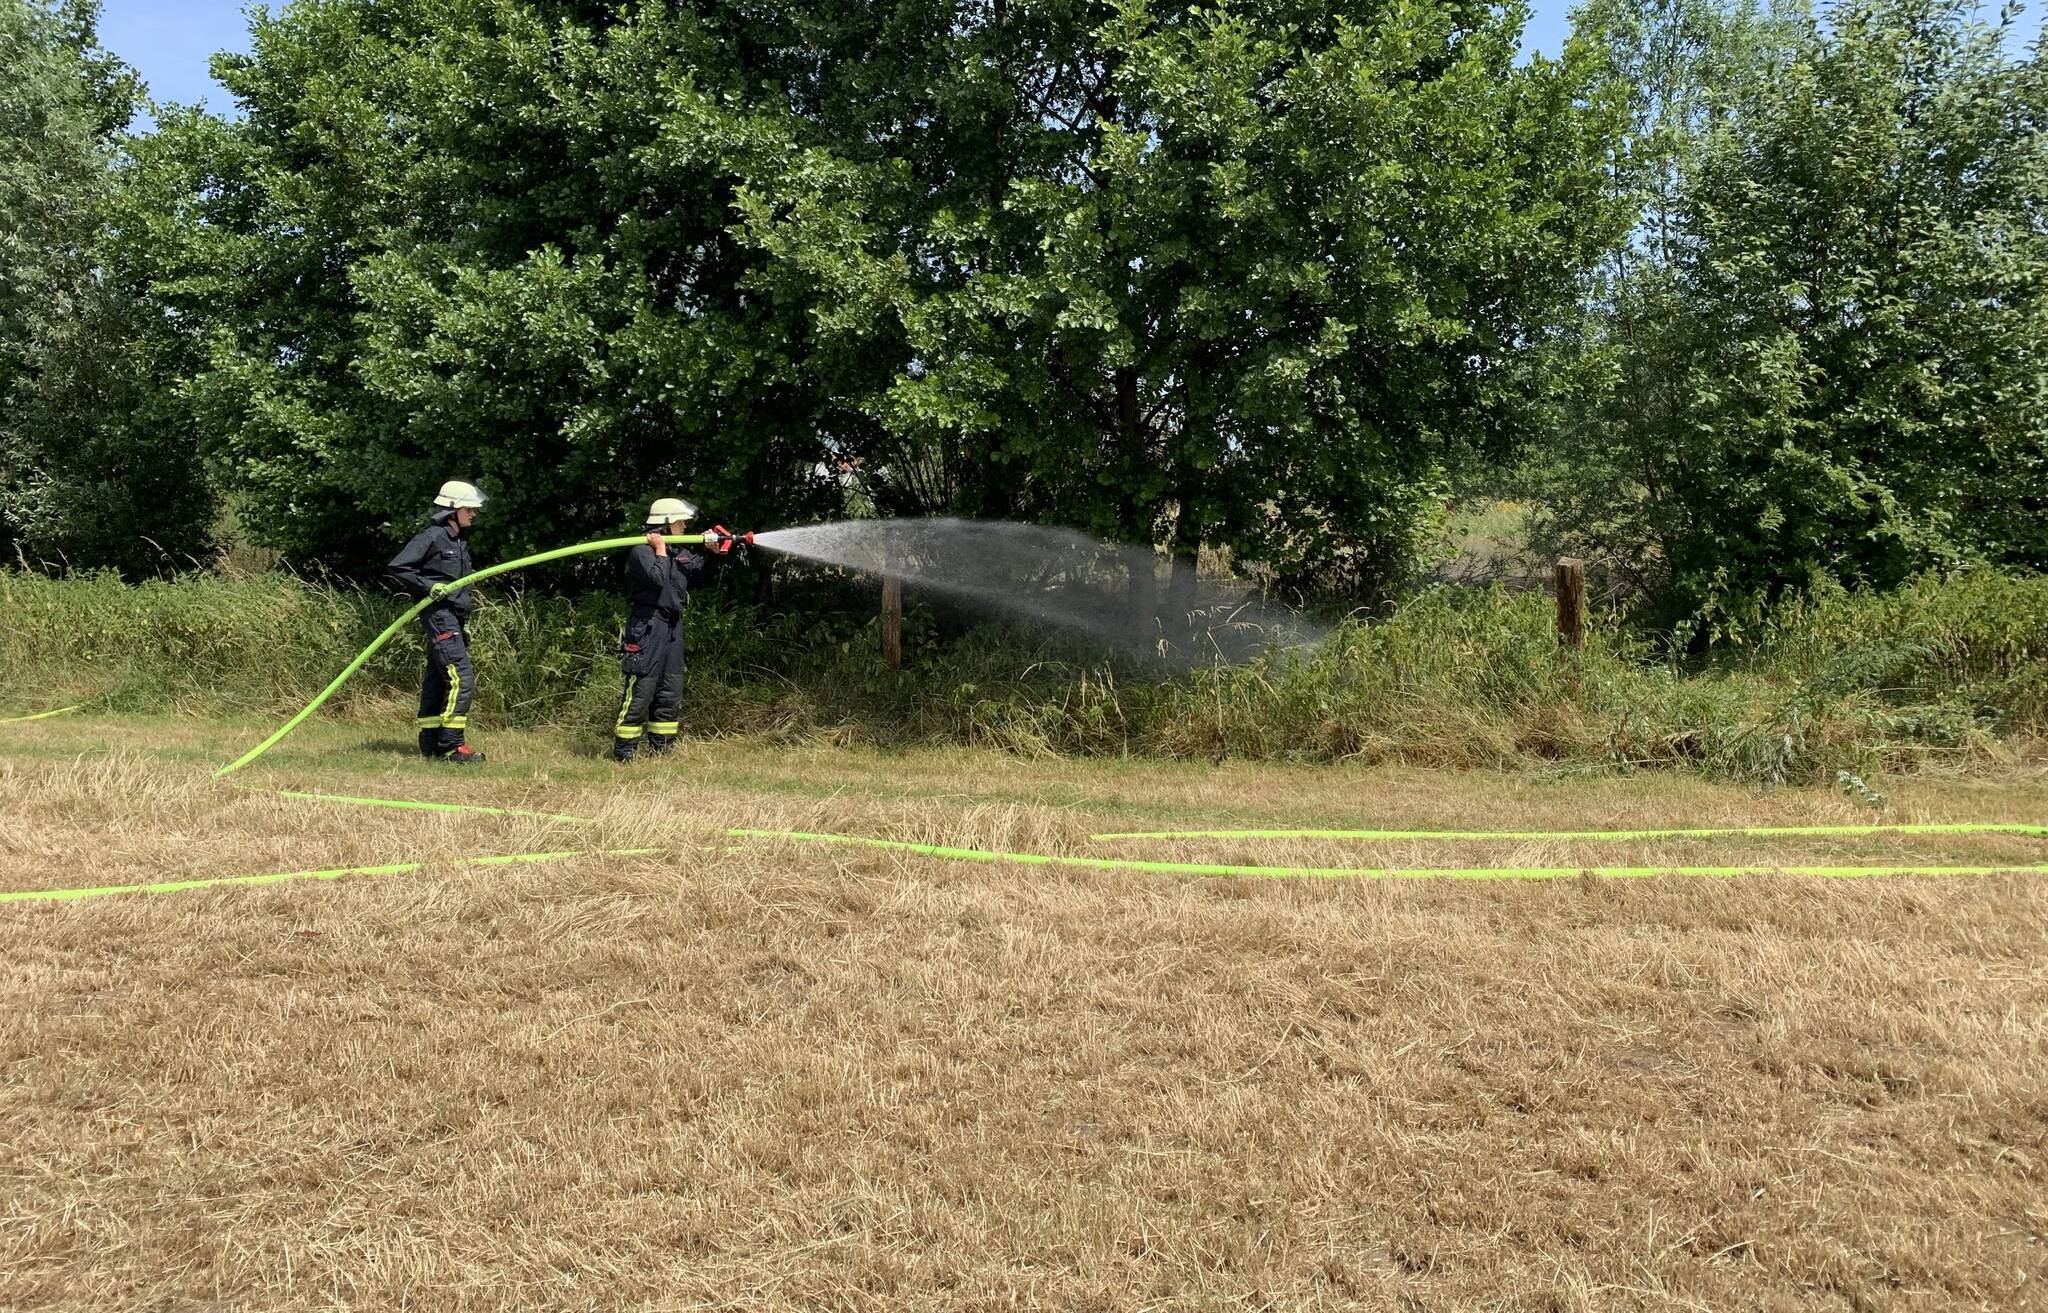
[(1348, 872), (947, 853), (1371, 872), (279, 877), (1431, 836), (40, 715), (411, 805), (1700, 832)]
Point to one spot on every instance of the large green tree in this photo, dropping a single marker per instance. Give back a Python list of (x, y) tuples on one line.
[(434, 246), (1259, 275), (1828, 354), (98, 465), (1247, 274)]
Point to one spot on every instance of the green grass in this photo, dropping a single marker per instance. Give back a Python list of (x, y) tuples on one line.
[(1840, 686)]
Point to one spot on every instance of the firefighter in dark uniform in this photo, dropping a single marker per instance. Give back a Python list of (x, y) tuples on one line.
[(658, 580), (436, 557)]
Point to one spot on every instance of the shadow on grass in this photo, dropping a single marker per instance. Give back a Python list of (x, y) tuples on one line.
[(398, 747), (579, 747)]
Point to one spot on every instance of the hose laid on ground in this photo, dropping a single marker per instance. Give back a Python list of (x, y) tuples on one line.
[(1434, 836), (1701, 832), (40, 715), (1367, 872), (602, 545), (408, 804), (1053, 859), (279, 877), (1428, 836), (946, 853)]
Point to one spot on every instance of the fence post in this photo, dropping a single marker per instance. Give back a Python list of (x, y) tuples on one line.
[(892, 621), (1571, 602)]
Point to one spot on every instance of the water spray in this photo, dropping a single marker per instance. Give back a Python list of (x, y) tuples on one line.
[(1107, 593)]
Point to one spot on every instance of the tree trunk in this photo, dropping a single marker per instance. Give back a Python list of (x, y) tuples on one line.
[(1134, 519), (1144, 593), (1187, 551)]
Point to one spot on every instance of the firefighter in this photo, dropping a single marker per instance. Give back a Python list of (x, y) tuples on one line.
[(658, 580), (436, 557)]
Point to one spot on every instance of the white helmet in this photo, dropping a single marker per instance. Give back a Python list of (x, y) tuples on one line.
[(458, 494), (669, 509)]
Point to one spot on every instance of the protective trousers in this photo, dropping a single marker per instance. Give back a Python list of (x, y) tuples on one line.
[(651, 659), (449, 685)]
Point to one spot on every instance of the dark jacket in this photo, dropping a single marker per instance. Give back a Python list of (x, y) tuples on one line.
[(656, 584), (436, 555)]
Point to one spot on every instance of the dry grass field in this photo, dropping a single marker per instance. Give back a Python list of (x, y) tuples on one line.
[(752, 1074)]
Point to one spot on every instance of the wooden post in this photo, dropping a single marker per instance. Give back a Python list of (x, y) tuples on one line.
[(892, 621), (1571, 602)]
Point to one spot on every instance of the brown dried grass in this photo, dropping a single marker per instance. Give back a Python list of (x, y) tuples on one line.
[(780, 1077)]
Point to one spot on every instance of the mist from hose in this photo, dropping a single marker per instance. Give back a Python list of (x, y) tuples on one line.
[(1121, 597)]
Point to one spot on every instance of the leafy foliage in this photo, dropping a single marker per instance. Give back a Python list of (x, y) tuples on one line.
[(1827, 356), (1262, 278), (1254, 274), (96, 465)]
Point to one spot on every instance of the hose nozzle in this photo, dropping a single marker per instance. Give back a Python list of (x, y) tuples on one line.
[(720, 539)]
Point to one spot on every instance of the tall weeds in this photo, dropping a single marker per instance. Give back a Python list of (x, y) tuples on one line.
[(1949, 669)]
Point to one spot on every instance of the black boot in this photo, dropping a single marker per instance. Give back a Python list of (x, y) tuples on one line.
[(660, 745), (623, 750), (450, 748), (430, 743)]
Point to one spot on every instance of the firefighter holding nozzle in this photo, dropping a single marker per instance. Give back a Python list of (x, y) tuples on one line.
[(658, 579)]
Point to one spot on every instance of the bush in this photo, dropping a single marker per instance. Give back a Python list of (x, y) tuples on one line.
[(1941, 669)]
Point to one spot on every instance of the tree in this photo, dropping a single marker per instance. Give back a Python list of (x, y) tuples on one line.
[(50, 173), (1253, 275), (436, 245), (1256, 275), (97, 462), (1833, 364)]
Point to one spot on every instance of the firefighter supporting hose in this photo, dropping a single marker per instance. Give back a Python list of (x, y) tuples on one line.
[(651, 647), (428, 567)]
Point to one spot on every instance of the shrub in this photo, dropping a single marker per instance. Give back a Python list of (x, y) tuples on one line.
[(1943, 668)]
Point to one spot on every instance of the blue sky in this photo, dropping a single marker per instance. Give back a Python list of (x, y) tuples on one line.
[(170, 40)]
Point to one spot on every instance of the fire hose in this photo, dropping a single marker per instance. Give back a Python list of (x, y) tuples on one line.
[(719, 538)]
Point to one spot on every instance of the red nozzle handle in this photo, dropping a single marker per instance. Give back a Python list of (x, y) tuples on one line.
[(720, 539)]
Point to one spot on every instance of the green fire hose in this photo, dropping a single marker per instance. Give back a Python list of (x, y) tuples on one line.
[(948, 853), (580, 549), (279, 877), (1574, 836), (40, 715)]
